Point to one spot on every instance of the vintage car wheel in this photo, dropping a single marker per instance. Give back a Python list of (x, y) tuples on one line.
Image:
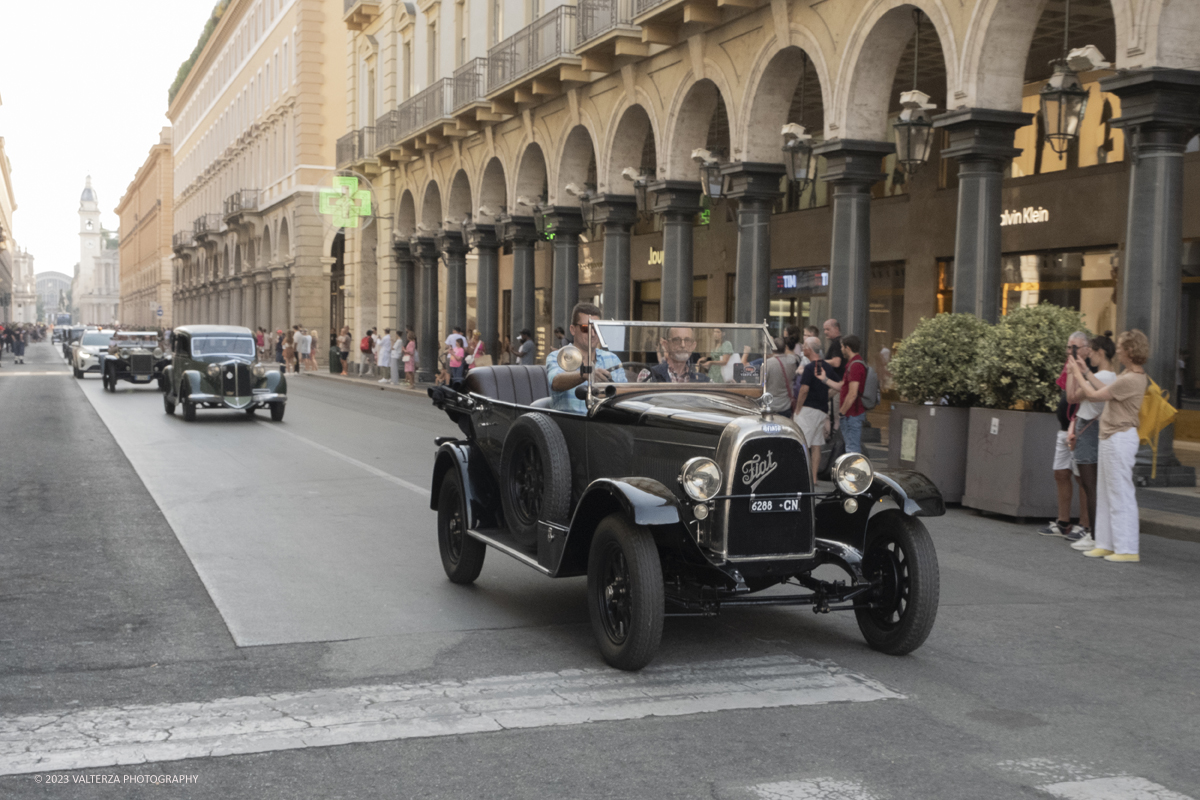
[(625, 593), (168, 406), (109, 380), (901, 557), (189, 409), (78, 372), (250, 411), (277, 409), (536, 470), (462, 556)]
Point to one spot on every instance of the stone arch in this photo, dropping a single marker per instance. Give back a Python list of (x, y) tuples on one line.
[(493, 189), (532, 179), (768, 100), (633, 136), (1174, 26), (285, 239), (689, 128), (406, 215), (867, 71), (459, 205), (251, 261), (431, 208), (577, 164)]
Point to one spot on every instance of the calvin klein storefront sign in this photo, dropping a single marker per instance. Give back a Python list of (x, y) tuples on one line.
[(1026, 215)]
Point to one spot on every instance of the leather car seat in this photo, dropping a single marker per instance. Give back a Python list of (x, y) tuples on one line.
[(520, 384)]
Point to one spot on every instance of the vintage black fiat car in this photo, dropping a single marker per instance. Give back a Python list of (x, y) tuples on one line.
[(214, 366), (676, 491), (134, 356)]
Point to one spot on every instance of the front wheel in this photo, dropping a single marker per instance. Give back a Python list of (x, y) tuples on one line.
[(277, 409), (901, 560), (78, 372), (462, 555), (625, 593), (168, 406), (189, 408)]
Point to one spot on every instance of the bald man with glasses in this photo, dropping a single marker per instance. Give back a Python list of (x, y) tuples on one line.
[(680, 345)]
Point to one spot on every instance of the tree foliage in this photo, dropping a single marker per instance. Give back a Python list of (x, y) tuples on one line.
[(935, 362), (186, 67), (1023, 355)]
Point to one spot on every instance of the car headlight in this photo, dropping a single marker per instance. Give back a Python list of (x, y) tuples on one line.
[(158, 352), (853, 473), (214, 371), (701, 478), (260, 371)]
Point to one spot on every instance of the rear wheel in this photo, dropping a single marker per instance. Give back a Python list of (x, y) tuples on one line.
[(536, 476), (462, 556), (277, 409), (901, 559), (625, 593)]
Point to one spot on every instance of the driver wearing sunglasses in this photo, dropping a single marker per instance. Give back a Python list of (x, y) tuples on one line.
[(679, 367), (606, 367)]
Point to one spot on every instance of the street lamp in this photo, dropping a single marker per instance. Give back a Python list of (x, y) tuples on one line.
[(798, 156), (914, 128), (640, 183), (1063, 99), (585, 195), (711, 180)]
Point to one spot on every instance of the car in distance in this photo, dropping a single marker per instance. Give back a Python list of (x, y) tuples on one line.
[(676, 498), (70, 337), (88, 351), (213, 366), (134, 356)]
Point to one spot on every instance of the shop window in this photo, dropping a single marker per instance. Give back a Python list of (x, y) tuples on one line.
[(815, 195), (798, 297), (1188, 397), (886, 313), (1081, 280), (647, 300), (945, 285), (700, 300)]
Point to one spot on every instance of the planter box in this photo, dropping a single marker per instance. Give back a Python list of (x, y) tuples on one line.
[(1010, 464), (933, 441)]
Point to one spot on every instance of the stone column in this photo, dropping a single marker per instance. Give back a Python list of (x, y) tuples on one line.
[(487, 284), (235, 301), (454, 251), (249, 318), (424, 250), (565, 223), (756, 188), (981, 139), (521, 233), (852, 166), (279, 299), (617, 212), (406, 289), (679, 203), (1160, 111), (262, 282)]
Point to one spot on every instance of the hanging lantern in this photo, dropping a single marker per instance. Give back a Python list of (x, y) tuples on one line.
[(712, 182), (914, 131), (1064, 102), (798, 156)]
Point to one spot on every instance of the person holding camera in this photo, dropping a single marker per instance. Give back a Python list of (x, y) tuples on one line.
[(1064, 462)]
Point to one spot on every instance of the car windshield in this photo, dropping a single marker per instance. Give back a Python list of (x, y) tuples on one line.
[(148, 340), (684, 352), (223, 346), (101, 339)]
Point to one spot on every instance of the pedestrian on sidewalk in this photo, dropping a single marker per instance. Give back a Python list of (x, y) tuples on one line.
[(1116, 530), (779, 372), (1065, 469), (475, 349), (311, 339), (383, 354), (849, 388), (395, 353), (525, 351), (20, 339), (303, 349), (410, 360), (343, 346), (456, 358), (812, 404), (1083, 437), (277, 340), (366, 353), (289, 350)]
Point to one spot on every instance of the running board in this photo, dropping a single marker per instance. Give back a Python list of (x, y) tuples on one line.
[(502, 540)]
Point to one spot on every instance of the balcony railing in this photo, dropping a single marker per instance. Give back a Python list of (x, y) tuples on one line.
[(355, 146), (470, 82), (206, 223), (387, 129), (182, 239), (427, 106), (241, 200), (549, 38), (642, 6), (597, 17)]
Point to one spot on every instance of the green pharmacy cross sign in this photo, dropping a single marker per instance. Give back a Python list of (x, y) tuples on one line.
[(345, 203)]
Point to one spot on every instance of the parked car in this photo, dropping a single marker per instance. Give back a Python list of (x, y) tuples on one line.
[(214, 366), (676, 498), (134, 356), (86, 352), (70, 337)]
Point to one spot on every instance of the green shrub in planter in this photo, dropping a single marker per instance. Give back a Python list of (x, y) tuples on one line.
[(936, 360), (1021, 357)]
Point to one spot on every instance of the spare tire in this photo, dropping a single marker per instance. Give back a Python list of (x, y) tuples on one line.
[(535, 470)]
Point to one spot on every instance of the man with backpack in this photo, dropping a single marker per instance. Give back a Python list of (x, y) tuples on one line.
[(366, 353), (851, 389)]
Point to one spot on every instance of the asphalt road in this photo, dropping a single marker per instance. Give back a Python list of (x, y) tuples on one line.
[(234, 563)]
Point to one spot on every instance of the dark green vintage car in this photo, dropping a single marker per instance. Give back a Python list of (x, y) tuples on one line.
[(214, 366)]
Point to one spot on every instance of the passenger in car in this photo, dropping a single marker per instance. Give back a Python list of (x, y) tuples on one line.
[(679, 366), (606, 367)]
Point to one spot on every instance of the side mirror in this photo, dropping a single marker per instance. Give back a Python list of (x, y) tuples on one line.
[(570, 358)]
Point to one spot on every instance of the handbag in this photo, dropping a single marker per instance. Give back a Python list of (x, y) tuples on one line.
[(791, 397), (405, 358)]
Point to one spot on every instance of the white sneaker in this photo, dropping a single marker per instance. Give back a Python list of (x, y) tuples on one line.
[(1084, 544)]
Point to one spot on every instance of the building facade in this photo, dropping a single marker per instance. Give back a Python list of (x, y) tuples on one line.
[(254, 128), (8, 204), (484, 115), (147, 222), (95, 289), (54, 294), (24, 294)]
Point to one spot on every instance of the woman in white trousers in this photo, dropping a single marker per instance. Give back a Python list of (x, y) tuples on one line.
[(1116, 523)]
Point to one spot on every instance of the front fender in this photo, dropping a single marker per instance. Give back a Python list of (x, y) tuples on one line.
[(276, 382), (480, 492), (194, 380), (644, 501), (913, 492)]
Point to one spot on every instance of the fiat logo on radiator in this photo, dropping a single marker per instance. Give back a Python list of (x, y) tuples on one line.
[(756, 470)]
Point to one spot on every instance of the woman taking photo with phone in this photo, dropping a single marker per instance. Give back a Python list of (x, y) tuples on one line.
[(1116, 521), (1083, 435)]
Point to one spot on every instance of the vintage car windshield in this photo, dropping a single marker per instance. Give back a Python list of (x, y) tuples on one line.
[(241, 346), (96, 339), (685, 352), (146, 340)]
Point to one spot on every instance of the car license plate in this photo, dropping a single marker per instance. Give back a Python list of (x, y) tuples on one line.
[(775, 505)]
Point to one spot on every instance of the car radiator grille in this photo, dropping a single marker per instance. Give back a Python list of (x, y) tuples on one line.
[(235, 380), (141, 364), (756, 534)]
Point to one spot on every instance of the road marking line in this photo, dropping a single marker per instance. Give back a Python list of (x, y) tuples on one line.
[(25, 374), (104, 737), (1120, 787), (387, 476), (813, 789)]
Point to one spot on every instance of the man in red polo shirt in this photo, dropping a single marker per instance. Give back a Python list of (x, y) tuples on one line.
[(851, 409)]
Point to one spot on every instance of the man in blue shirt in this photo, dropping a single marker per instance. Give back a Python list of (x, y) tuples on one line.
[(606, 367)]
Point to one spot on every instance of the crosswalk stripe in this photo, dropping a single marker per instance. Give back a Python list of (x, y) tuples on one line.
[(813, 789), (1120, 787), (103, 737)]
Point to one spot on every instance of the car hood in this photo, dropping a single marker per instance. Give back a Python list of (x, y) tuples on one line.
[(698, 411)]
